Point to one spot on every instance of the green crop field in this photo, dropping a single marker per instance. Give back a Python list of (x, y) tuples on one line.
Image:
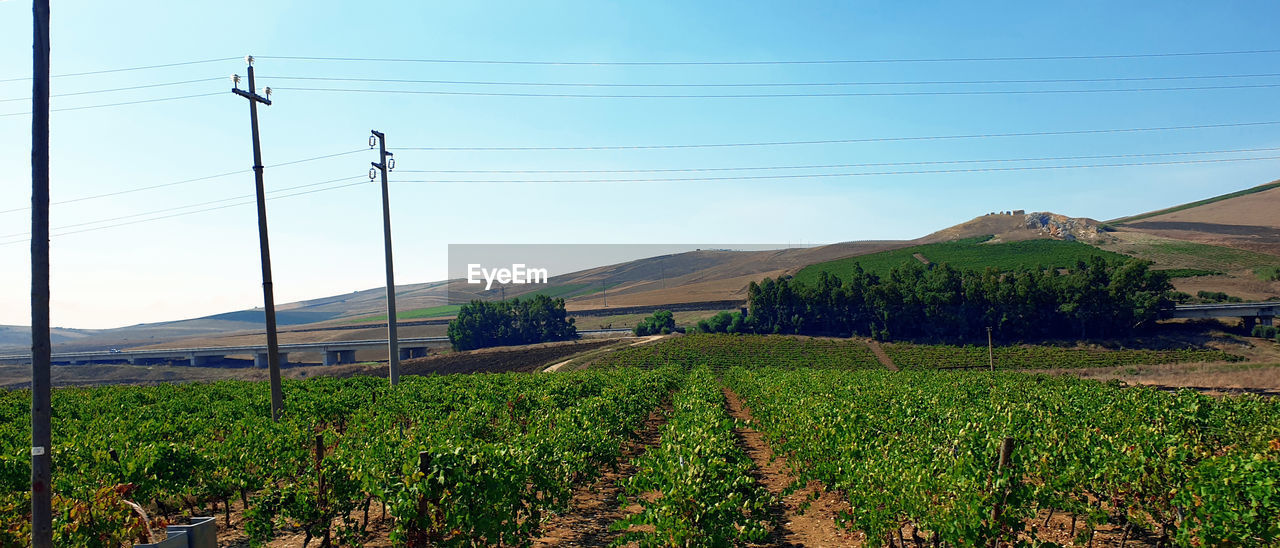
[(431, 312), (493, 459), (969, 253), (1179, 254), (906, 355)]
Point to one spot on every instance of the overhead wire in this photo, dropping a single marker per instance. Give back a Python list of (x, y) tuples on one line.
[(128, 88), (849, 174), (854, 140), (190, 206), (832, 166), (777, 62), (772, 95), (138, 102), (186, 181), (769, 84), (126, 69)]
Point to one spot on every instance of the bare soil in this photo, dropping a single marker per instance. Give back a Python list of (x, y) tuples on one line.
[(795, 525), (595, 507), (1211, 378), (1245, 222), (524, 359), (881, 355)]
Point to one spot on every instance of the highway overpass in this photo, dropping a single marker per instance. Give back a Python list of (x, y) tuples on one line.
[(1252, 313), (335, 352)]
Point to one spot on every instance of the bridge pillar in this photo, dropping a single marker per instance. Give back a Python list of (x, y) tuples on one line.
[(1267, 320), (260, 359), (337, 357), (407, 353), (197, 361)]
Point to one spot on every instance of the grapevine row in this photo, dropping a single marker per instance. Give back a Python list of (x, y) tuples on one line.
[(919, 449), (454, 459), (705, 495)]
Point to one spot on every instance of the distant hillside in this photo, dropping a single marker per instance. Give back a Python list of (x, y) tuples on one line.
[(1248, 219), (970, 253), (1198, 203), (1245, 220), (19, 336)]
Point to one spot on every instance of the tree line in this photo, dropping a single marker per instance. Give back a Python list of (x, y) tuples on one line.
[(510, 322), (940, 303)]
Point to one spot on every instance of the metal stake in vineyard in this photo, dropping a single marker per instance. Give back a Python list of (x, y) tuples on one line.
[(268, 296), (385, 164)]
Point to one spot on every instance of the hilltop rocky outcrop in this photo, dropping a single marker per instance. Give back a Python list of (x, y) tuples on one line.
[(1063, 227)]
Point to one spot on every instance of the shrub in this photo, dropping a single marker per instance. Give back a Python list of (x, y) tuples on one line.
[(661, 322), (1264, 331)]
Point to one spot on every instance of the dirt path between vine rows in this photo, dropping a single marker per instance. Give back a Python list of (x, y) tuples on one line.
[(596, 506), (881, 355), (816, 526)]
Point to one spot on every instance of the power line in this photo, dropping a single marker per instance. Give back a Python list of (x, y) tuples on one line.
[(857, 140), (156, 100), (202, 210), (146, 67), (831, 166), (858, 174), (853, 174), (775, 84), (783, 62), (175, 208), (186, 181), (144, 86), (778, 95)]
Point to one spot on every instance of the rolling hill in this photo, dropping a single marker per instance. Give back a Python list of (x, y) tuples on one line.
[(1224, 243), (1246, 220)]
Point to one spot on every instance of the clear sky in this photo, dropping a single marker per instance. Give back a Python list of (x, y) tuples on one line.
[(329, 242)]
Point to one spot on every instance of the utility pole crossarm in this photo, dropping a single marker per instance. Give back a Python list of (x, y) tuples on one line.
[(251, 96)]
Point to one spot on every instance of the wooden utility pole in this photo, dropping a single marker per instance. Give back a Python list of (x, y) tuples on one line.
[(384, 164), (268, 295), (41, 428), (991, 354), (1006, 453)]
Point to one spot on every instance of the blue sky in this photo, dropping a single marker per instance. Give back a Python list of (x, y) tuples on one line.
[(330, 242)]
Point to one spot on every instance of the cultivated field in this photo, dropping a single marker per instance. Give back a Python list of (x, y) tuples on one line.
[(689, 441)]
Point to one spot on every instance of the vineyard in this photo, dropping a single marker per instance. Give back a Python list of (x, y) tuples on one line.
[(454, 460), (490, 459), (917, 451), (968, 253), (721, 352), (907, 355)]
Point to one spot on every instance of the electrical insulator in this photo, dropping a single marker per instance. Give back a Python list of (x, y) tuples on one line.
[(373, 141), (373, 174), (391, 164)]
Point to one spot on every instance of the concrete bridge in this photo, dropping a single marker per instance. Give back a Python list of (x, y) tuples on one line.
[(1252, 313), (335, 352), (338, 352)]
